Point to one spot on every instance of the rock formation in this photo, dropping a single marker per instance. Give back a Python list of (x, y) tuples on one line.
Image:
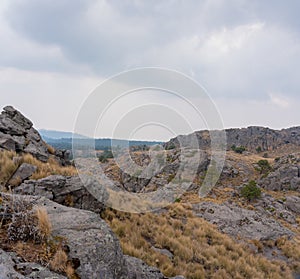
[(17, 134)]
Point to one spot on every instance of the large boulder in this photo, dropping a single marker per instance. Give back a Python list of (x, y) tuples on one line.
[(92, 244)]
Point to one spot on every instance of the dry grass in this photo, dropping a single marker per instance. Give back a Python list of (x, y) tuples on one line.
[(10, 161), (28, 232), (199, 249), (291, 249), (50, 149), (7, 166), (49, 168), (59, 261), (44, 224)]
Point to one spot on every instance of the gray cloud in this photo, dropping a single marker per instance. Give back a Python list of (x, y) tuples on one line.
[(241, 51)]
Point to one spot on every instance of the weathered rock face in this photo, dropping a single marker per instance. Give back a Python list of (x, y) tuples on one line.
[(13, 267), (66, 190), (293, 204), (17, 128), (17, 134), (91, 242), (237, 221), (285, 174), (251, 138)]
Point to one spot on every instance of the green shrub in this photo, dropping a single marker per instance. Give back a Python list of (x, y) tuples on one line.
[(258, 149), (103, 158), (170, 146), (264, 166), (251, 191), (238, 149)]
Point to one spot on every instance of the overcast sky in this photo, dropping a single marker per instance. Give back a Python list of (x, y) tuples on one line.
[(245, 53)]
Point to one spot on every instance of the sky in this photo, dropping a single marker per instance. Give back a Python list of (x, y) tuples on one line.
[(246, 54)]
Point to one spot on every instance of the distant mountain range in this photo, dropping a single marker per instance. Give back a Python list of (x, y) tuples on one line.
[(52, 134), (63, 140)]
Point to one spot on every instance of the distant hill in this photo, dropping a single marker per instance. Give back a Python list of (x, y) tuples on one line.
[(63, 140), (52, 134)]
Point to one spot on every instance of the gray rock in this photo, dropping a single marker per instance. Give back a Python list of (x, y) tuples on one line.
[(90, 240), (17, 134), (67, 190), (8, 126), (137, 269), (163, 252), (293, 204), (37, 150), (23, 172), (17, 117), (251, 137), (7, 270), (12, 267), (237, 221), (285, 174), (8, 144)]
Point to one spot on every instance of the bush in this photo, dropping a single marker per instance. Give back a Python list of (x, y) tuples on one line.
[(238, 149), (103, 158), (264, 166), (251, 191), (170, 146), (258, 149)]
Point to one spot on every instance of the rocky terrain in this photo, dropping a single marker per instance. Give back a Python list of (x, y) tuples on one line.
[(234, 232)]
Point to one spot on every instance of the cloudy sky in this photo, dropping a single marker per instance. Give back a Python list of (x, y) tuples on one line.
[(246, 54)]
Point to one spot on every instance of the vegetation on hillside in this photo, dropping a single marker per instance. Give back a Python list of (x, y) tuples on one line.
[(198, 249)]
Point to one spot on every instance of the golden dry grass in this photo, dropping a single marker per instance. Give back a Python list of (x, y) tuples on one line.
[(10, 161), (44, 224), (59, 261), (199, 249), (49, 168), (7, 166)]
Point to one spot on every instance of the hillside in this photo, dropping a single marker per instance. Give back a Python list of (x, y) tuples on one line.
[(74, 226)]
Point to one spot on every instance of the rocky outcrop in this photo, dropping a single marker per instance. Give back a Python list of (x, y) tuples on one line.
[(285, 174), (67, 190), (18, 134), (252, 138), (237, 221)]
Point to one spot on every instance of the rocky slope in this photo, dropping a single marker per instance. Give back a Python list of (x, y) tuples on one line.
[(93, 249), (249, 238)]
